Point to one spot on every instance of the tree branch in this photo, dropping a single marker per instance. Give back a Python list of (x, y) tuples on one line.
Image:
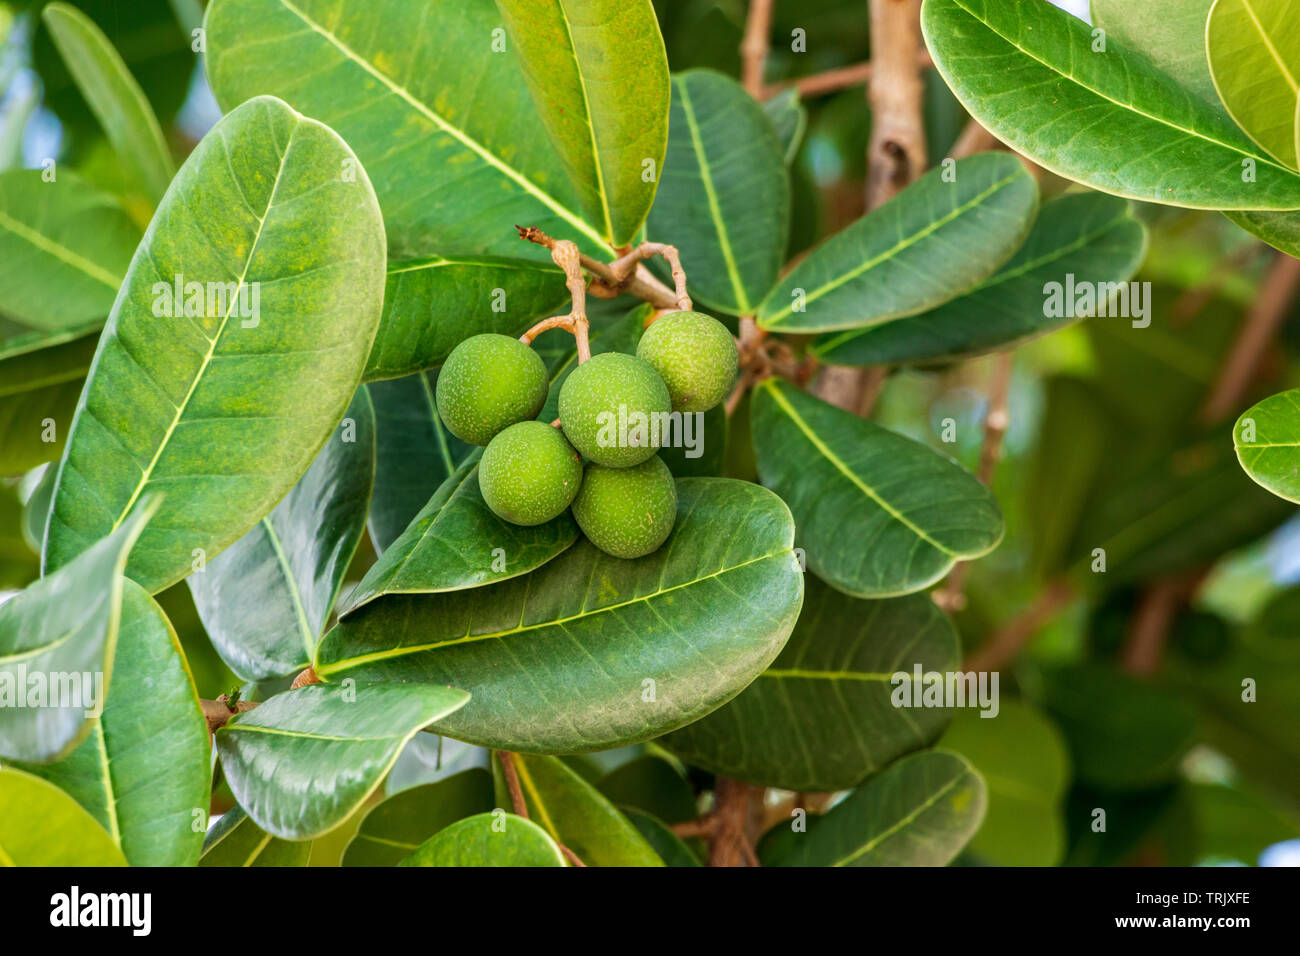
[(641, 283), (754, 46), (1003, 647)]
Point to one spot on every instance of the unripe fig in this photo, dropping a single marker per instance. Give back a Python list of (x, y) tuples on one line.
[(696, 357), (627, 512), (488, 382), (612, 407), (529, 473)]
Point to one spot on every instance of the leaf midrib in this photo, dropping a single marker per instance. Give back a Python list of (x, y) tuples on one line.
[(61, 252)]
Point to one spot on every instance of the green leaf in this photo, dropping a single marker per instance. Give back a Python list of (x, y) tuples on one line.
[(265, 600), (19, 565), (821, 717), (65, 623), (302, 762), (415, 454), (789, 119), (64, 248), (40, 825), (1238, 824), (1022, 758), (667, 844), (235, 840), (144, 769), (226, 412), (1028, 73), (653, 785), (44, 361), (114, 96), (919, 812), (432, 304), (1267, 439), (1078, 239), (1281, 230), (1254, 55), (881, 267), (488, 839), (1170, 32), (455, 157), (590, 652), (575, 814), (598, 75), (29, 418), (725, 196), (880, 515), (710, 447), (395, 828), (456, 542)]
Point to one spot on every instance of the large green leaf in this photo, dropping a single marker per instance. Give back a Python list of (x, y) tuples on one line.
[(1254, 55), (1170, 32), (302, 762), (878, 514), (1267, 439), (1022, 758), (456, 542), (66, 623), (590, 652), (919, 812), (44, 360), (725, 196), (488, 839), (1110, 120), (789, 119), (432, 304), (144, 769), (235, 840), (1079, 240), (225, 411), (415, 454), (821, 717), (264, 601), (653, 785), (115, 98), (455, 155), (671, 848), (574, 813), (882, 266), (1281, 230), (40, 825), (598, 74), (29, 419), (64, 248), (395, 828)]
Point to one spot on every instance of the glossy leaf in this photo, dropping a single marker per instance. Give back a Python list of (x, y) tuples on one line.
[(1111, 120), (302, 762), (259, 205), (457, 542), (488, 839), (40, 825), (395, 828), (591, 652), (114, 96), (599, 79), (1267, 439), (878, 514), (725, 196), (235, 840), (1281, 230), (435, 141), (667, 844), (1254, 55), (650, 784), (144, 769), (1090, 237), (65, 623), (432, 304), (64, 248), (822, 716), (265, 600), (575, 814), (789, 120), (1170, 32), (920, 812)]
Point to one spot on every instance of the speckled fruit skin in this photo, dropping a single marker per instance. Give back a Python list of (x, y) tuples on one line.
[(602, 384), (529, 474), (488, 382), (696, 357), (627, 512)]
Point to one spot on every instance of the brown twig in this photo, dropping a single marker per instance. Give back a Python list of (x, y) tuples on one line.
[(625, 266), (896, 152), (754, 45), (567, 257), (731, 844), (835, 80), (641, 283), (511, 773), (1003, 647)]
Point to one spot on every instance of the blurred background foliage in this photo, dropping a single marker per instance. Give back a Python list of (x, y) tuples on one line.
[(1107, 448)]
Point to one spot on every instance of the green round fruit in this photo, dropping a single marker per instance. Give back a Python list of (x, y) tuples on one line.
[(529, 473), (696, 357), (488, 382), (614, 409), (627, 512)]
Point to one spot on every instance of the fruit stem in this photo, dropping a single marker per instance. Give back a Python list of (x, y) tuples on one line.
[(607, 284), (567, 257)]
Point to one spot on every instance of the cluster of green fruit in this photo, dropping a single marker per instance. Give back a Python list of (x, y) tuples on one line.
[(492, 387)]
